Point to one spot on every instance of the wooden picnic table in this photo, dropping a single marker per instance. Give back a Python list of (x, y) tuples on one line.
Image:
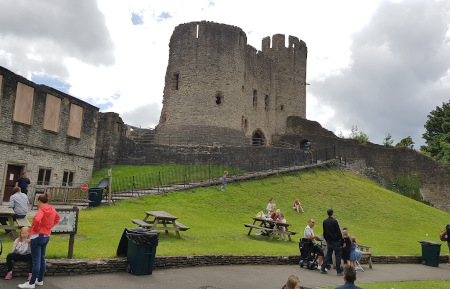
[(270, 227), (8, 213), (162, 221)]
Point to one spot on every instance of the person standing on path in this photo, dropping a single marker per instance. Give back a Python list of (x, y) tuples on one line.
[(40, 231), (224, 180), (349, 278), (23, 183), (333, 235)]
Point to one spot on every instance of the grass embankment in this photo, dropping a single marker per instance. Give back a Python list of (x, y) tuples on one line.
[(390, 223)]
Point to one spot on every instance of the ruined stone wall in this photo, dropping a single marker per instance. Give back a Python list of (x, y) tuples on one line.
[(215, 79), (111, 129), (33, 147)]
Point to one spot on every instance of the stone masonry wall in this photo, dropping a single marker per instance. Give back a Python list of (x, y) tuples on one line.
[(110, 265), (31, 146)]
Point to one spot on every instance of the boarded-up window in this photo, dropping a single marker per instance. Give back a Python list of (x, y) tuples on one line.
[(52, 110), (76, 118), (24, 103)]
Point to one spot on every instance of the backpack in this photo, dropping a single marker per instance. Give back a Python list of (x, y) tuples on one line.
[(443, 235)]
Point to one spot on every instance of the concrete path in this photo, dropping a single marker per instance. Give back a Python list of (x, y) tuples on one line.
[(237, 277)]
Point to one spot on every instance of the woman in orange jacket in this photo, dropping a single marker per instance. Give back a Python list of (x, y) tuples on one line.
[(40, 232)]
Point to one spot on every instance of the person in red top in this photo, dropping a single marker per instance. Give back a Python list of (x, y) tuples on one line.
[(40, 231)]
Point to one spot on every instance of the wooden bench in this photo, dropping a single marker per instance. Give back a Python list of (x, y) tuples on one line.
[(251, 226), (182, 227), (366, 252), (22, 222), (142, 223), (148, 224)]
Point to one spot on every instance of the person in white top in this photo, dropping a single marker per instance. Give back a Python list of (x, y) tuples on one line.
[(309, 234)]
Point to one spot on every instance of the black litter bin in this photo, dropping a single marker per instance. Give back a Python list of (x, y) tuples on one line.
[(430, 253), (139, 245), (95, 196)]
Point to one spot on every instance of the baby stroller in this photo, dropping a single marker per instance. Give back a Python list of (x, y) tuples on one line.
[(307, 257)]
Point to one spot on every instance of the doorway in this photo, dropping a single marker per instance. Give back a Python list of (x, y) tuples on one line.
[(12, 175)]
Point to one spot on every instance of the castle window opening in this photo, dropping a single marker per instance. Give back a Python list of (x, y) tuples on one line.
[(281, 107), (266, 103), (44, 177), (196, 34), (219, 98), (244, 123), (305, 145), (68, 178), (175, 81), (258, 139), (255, 98)]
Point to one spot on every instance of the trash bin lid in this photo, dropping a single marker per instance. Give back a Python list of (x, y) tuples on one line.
[(143, 237), (429, 243)]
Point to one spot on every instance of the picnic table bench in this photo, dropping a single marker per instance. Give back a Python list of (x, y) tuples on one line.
[(162, 221), (365, 250), (270, 227), (8, 213)]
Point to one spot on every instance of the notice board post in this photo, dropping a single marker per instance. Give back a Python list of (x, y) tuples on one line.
[(68, 224)]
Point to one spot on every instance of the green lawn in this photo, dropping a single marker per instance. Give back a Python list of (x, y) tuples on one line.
[(390, 223), (435, 284)]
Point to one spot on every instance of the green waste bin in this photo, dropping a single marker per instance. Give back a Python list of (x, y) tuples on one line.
[(430, 253), (141, 250), (95, 196)]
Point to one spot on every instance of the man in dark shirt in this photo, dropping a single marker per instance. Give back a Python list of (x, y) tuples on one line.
[(23, 183), (332, 234)]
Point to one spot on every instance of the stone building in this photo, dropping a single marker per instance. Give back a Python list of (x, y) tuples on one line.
[(219, 89), (44, 132)]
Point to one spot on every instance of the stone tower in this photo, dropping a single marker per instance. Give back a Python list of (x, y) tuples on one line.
[(220, 89)]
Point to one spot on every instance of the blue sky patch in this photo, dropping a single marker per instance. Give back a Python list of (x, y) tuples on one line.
[(51, 82), (137, 19)]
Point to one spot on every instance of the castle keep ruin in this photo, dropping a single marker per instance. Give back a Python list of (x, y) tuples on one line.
[(220, 89)]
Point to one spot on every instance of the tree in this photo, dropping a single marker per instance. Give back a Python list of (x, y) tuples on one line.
[(437, 135), (406, 142), (361, 137), (388, 141)]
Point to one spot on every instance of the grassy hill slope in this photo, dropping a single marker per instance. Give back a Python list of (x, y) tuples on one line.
[(390, 223)]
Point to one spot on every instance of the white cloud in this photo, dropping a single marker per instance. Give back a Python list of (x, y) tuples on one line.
[(378, 64)]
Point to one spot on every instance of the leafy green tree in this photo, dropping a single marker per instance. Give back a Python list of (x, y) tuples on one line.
[(360, 136), (406, 142), (388, 141), (437, 135)]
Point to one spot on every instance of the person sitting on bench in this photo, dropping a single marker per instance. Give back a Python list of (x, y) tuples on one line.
[(19, 203)]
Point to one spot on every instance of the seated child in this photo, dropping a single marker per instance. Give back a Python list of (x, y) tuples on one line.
[(298, 206), (21, 251)]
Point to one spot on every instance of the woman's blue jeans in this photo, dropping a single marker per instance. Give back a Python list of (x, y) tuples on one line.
[(38, 247)]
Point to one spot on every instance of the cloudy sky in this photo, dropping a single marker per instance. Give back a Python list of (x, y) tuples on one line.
[(379, 65)]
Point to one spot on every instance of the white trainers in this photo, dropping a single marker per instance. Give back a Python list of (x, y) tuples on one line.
[(26, 285), (319, 267), (39, 283)]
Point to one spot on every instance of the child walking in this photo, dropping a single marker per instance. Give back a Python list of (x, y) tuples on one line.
[(355, 255), (224, 180), (21, 252)]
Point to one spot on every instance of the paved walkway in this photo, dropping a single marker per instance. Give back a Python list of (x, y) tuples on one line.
[(237, 277)]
